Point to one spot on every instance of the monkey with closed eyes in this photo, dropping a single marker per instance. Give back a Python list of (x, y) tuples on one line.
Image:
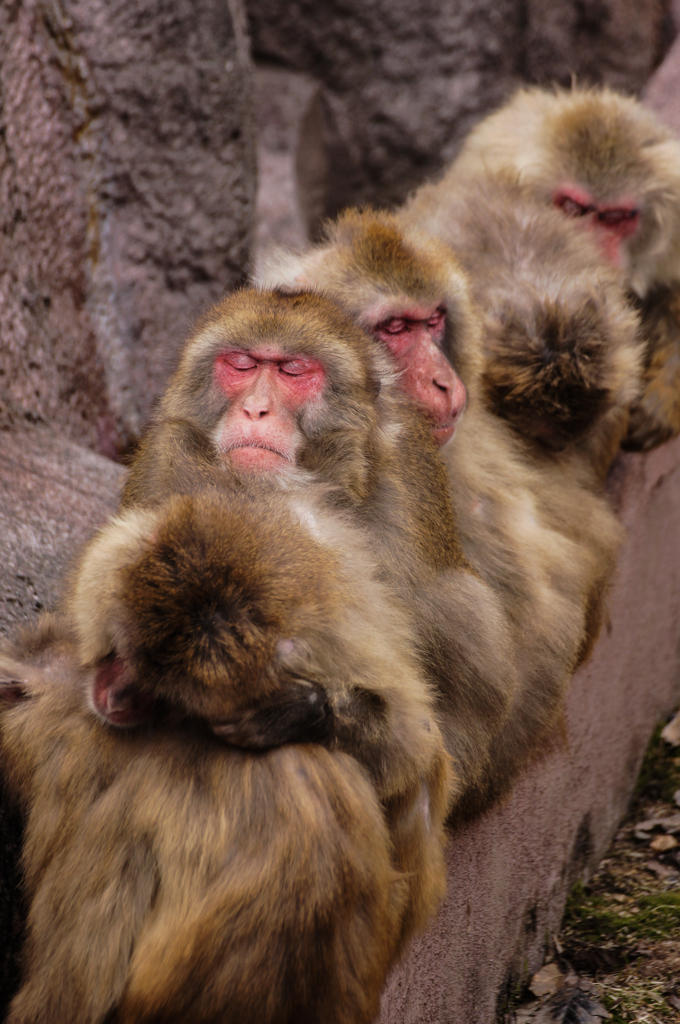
[(533, 522), (608, 164)]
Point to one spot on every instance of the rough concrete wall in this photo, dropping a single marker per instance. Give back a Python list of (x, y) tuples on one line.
[(53, 495), (662, 92), (402, 82), (126, 192), (509, 874)]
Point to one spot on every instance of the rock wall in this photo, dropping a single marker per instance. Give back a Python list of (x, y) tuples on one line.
[(400, 82), (126, 192), (53, 495)]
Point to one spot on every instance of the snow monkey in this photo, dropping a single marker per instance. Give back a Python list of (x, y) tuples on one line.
[(610, 165), (561, 349), (533, 523), (172, 876), (289, 390)]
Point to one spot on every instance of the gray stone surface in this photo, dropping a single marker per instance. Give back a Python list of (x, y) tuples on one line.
[(509, 873), (401, 83), (281, 98), (126, 190), (662, 92), (53, 495)]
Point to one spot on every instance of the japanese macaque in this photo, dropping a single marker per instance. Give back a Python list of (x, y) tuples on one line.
[(606, 162), (173, 877), (534, 526), (561, 350), (288, 389), (286, 533)]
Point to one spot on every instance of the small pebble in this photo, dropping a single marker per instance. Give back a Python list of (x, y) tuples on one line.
[(663, 843)]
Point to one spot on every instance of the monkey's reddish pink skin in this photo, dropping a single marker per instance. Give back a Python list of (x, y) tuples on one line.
[(612, 223), (113, 697), (266, 388), (297, 378), (414, 339)]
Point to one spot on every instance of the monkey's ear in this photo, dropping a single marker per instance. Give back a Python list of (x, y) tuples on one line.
[(13, 690), (116, 696), (294, 655)]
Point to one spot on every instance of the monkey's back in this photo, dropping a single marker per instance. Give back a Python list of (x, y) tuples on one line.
[(176, 878)]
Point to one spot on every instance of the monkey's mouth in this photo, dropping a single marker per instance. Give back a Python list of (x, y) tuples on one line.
[(253, 455), (443, 432)]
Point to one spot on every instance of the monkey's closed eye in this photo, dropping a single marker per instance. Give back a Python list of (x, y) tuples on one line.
[(437, 317), (620, 215), (572, 208), (238, 360), (394, 326), (294, 368)]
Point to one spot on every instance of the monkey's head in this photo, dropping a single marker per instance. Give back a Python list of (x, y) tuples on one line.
[(600, 157), (200, 608), (408, 291), (283, 382), (549, 368)]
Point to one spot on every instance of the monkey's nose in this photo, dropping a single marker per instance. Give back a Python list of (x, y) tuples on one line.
[(255, 410), (446, 404), (449, 395)]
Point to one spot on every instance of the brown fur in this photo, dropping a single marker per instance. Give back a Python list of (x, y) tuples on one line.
[(655, 417), (617, 150), (156, 893), (534, 526), (330, 866), (227, 596)]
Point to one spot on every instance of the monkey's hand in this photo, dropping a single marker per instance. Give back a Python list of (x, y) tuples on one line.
[(298, 713), (655, 418)]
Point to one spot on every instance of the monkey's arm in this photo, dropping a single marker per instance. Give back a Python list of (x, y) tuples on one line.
[(174, 457), (655, 417)]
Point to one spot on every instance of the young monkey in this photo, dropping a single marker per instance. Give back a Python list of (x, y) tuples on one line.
[(608, 164), (539, 533), (172, 877)]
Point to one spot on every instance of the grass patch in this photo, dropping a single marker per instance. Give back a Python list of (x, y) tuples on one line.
[(621, 929), (659, 776), (598, 920)]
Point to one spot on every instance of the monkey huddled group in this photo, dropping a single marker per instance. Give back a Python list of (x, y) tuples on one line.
[(361, 550)]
